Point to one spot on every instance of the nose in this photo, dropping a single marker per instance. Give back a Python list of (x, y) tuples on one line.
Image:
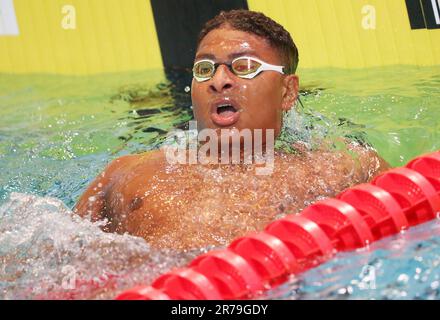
[(222, 79)]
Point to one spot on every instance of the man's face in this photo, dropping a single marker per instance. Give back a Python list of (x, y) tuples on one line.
[(256, 103)]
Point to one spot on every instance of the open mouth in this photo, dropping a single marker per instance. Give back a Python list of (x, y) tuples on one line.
[(226, 110), (225, 113)]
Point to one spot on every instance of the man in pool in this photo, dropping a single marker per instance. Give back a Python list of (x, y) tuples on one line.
[(244, 78)]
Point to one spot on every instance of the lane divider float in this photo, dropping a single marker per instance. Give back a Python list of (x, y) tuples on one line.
[(394, 201)]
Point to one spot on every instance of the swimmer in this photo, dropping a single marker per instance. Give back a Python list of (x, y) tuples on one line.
[(243, 79)]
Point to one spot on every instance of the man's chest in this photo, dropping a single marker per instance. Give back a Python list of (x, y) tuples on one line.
[(211, 205), (202, 193)]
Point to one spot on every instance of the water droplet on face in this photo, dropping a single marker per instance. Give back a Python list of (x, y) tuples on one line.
[(245, 45)]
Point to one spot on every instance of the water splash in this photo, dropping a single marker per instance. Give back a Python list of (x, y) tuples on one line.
[(47, 252)]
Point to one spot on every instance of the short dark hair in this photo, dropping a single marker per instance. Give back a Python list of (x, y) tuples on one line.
[(260, 25)]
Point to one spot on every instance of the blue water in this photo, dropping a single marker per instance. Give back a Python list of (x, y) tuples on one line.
[(405, 266)]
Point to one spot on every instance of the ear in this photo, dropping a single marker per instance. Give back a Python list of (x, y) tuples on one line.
[(290, 91)]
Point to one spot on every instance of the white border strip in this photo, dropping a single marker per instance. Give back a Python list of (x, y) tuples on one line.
[(438, 2), (435, 9), (8, 20)]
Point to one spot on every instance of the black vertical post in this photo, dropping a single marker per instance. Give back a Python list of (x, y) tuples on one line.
[(423, 14), (431, 13), (178, 23), (415, 14)]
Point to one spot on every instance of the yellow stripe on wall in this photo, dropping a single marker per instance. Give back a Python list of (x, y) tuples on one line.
[(110, 36), (329, 33), (116, 35)]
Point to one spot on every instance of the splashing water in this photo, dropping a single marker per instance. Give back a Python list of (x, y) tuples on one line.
[(47, 252)]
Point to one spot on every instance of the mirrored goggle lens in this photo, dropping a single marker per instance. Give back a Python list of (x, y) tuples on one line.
[(245, 66), (203, 69)]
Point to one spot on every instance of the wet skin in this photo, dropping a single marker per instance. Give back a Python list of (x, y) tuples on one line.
[(190, 206), (260, 102)]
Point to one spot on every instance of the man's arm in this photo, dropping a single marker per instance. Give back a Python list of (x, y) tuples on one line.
[(93, 201)]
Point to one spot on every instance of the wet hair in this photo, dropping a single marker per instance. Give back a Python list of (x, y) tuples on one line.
[(259, 24)]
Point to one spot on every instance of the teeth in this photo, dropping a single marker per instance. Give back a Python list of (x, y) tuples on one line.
[(225, 105)]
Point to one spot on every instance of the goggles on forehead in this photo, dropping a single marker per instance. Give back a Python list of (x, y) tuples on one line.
[(243, 67)]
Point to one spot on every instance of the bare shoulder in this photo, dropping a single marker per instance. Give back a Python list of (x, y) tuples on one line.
[(371, 163), (150, 160), (92, 201), (350, 159)]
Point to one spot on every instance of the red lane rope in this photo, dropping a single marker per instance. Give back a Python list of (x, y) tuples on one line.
[(393, 201)]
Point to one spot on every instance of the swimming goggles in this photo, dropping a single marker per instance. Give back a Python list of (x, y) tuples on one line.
[(243, 67)]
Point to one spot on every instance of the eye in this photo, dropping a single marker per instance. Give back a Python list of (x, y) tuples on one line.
[(245, 66), (203, 69)]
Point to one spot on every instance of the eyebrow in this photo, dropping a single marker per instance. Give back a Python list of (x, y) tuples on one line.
[(231, 56)]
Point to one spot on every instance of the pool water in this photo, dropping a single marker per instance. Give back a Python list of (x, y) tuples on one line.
[(58, 132)]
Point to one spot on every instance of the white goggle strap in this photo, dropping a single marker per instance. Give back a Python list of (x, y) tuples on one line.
[(263, 67)]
